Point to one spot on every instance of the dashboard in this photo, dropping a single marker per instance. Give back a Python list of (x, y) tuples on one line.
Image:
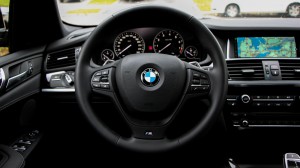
[(263, 66), (150, 40)]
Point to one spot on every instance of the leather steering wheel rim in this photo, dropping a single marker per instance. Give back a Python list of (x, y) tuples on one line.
[(152, 16)]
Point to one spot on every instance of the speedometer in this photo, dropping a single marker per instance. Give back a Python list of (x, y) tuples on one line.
[(128, 43), (168, 42)]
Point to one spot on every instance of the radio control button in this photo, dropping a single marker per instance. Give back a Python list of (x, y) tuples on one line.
[(202, 76), (196, 76), (105, 72), (204, 88), (245, 98), (274, 67), (256, 97), (232, 104), (104, 79), (96, 79), (289, 97), (204, 82), (104, 86), (196, 82), (267, 70), (96, 85), (259, 97), (258, 104), (275, 72), (98, 73), (288, 104), (232, 97)]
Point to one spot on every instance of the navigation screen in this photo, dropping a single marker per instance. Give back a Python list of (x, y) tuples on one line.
[(266, 47)]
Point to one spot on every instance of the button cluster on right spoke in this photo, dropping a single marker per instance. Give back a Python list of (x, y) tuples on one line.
[(199, 83), (100, 79)]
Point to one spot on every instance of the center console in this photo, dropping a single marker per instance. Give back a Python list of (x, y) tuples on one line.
[(248, 110), (264, 81)]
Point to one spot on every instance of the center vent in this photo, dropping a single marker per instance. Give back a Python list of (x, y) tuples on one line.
[(245, 70), (290, 69), (63, 58)]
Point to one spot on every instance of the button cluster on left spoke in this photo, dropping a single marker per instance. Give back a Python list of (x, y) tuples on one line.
[(100, 79)]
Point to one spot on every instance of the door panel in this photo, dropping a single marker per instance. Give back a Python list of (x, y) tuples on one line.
[(20, 82), (26, 89)]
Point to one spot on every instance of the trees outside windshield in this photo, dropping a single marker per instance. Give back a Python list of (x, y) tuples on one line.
[(92, 12)]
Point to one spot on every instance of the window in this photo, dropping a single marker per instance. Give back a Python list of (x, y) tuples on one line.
[(4, 6), (92, 12)]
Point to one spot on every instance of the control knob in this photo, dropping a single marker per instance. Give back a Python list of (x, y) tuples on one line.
[(245, 123), (245, 98)]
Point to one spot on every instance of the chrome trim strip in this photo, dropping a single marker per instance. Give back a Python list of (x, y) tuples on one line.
[(49, 75), (108, 62), (271, 126), (2, 74), (231, 99), (294, 159), (228, 48), (261, 59), (59, 90), (62, 58), (201, 85), (267, 100), (17, 76)]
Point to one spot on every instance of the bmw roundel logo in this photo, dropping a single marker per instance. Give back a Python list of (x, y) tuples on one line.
[(150, 77)]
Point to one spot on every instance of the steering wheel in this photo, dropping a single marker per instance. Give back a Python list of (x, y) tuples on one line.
[(149, 89)]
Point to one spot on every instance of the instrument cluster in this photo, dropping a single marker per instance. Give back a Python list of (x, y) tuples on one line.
[(151, 40)]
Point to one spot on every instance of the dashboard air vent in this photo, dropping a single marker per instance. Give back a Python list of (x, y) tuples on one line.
[(63, 58), (245, 70), (290, 69)]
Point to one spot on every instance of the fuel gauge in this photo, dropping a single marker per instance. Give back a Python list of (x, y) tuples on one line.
[(107, 54), (191, 52)]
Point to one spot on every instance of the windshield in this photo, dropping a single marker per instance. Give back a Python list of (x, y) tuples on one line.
[(93, 12)]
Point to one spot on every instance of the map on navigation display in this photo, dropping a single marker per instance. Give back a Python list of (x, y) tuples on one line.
[(266, 47)]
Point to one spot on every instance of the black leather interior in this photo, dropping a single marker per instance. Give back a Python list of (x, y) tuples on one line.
[(10, 158)]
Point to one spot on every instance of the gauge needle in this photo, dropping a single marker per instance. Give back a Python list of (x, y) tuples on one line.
[(164, 47), (124, 49), (189, 53), (107, 58)]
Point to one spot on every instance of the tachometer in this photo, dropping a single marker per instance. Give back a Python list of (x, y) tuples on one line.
[(128, 43), (168, 42)]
